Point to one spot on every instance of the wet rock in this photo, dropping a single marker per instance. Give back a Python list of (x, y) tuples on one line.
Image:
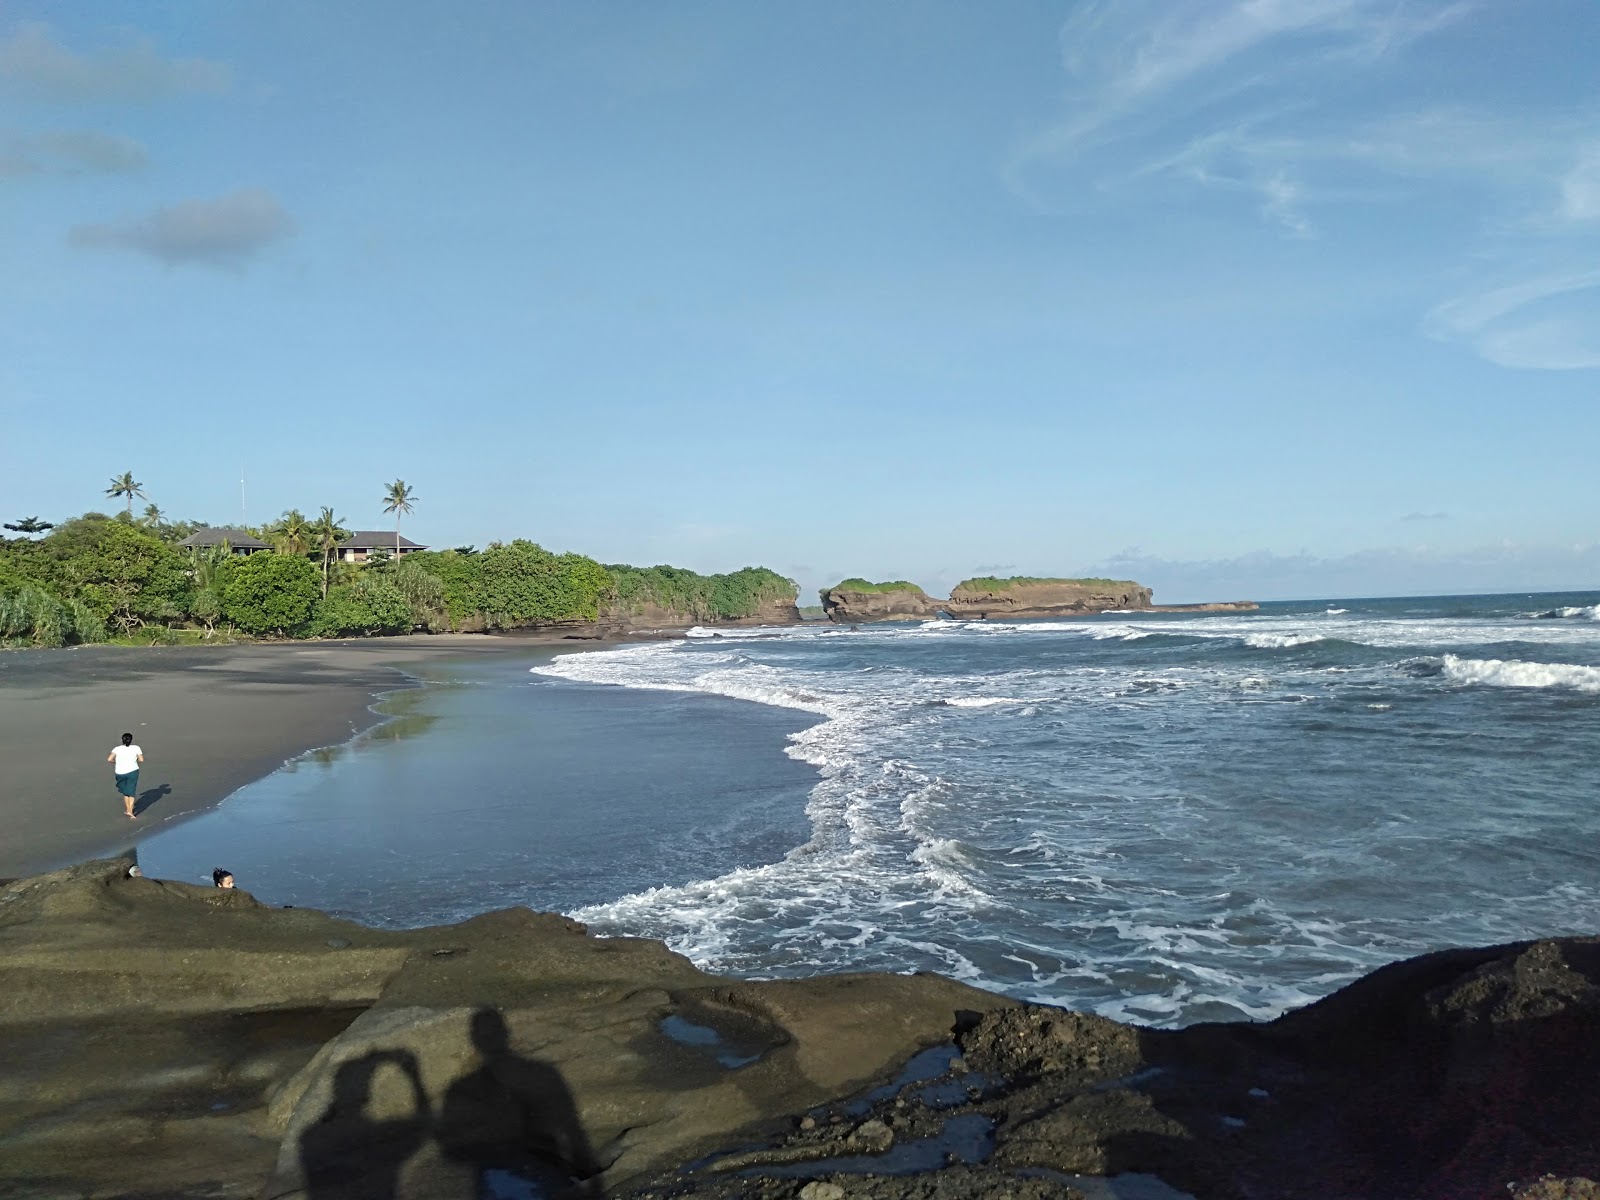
[(1549, 1187), (818, 1190), (871, 1137)]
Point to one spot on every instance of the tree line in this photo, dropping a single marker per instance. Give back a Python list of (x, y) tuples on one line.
[(98, 577)]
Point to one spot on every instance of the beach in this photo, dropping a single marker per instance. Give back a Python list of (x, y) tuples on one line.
[(209, 718)]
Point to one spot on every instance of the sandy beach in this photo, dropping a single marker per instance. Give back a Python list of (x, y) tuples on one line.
[(210, 720)]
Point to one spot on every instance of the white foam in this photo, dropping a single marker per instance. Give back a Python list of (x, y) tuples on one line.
[(1503, 673), (982, 701), (1281, 641), (1335, 612)]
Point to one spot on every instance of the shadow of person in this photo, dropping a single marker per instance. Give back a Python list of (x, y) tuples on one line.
[(348, 1155), (149, 796), (514, 1121)]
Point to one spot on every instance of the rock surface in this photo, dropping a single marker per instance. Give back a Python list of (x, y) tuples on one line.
[(1049, 598), (1044, 598), (161, 1039), (848, 605)]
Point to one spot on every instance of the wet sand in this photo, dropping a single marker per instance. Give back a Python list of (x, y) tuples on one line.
[(210, 720)]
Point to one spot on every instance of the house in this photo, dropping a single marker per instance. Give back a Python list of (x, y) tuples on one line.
[(237, 540), (361, 543)]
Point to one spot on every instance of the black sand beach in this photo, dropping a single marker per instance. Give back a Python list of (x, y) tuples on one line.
[(210, 720)]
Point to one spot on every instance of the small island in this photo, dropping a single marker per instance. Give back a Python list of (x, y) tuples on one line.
[(987, 597)]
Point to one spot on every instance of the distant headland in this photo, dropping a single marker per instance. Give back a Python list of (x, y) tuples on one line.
[(984, 597)]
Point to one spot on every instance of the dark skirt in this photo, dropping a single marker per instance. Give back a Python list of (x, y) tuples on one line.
[(128, 784)]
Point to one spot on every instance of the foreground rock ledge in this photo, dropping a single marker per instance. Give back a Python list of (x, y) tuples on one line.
[(161, 1039)]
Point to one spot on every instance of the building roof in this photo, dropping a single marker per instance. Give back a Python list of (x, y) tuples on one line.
[(237, 538), (376, 539)]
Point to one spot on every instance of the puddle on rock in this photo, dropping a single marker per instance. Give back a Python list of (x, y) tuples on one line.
[(709, 1040)]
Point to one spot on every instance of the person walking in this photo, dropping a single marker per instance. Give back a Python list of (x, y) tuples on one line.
[(125, 760)]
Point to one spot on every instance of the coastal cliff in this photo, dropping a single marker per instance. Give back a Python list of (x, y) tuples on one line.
[(859, 600), (985, 598), (167, 1039)]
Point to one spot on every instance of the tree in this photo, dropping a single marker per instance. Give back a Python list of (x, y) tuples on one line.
[(291, 534), (397, 500), (368, 606), (270, 594), (124, 574), (29, 525), (328, 531), (126, 486), (152, 517)]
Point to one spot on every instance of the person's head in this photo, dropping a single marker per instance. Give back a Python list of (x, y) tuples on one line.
[(127, 739), (489, 1033), (222, 878)]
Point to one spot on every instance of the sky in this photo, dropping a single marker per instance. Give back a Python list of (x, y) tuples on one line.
[(1242, 298)]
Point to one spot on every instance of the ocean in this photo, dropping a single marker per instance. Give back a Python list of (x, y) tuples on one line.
[(1163, 818)]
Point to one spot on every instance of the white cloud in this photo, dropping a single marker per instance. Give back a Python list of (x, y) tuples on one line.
[(1141, 71), (33, 62), (71, 152), (1580, 190), (1550, 323), (225, 232)]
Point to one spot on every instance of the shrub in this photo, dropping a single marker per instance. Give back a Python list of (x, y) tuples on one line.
[(31, 614), (369, 606), (125, 574), (705, 597), (271, 593), (423, 592)]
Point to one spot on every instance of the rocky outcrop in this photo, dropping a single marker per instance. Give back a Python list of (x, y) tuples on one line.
[(1046, 598), (167, 1040), (248, 1050), (647, 616), (1002, 599), (848, 605)]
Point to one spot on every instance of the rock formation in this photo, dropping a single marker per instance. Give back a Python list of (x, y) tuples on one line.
[(856, 600), (161, 1039), (847, 604), (1043, 598)]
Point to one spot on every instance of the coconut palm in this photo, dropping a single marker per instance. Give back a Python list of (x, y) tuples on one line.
[(126, 485), (328, 531), (292, 532), (29, 525), (397, 500), (152, 516)]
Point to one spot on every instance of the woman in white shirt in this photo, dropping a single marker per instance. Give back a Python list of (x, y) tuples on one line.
[(126, 759)]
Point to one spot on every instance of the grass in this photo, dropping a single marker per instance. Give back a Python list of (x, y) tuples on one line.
[(862, 585), (992, 583)]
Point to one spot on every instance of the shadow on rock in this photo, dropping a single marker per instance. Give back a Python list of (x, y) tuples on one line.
[(514, 1122), (350, 1155)]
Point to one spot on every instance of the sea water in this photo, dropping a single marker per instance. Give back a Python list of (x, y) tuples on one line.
[(1163, 818)]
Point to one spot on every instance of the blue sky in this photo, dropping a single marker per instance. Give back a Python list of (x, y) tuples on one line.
[(1260, 298)]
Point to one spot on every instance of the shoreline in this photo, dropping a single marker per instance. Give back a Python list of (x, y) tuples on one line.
[(212, 719)]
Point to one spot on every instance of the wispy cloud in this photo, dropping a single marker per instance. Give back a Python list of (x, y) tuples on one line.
[(71, 152), (1144, 74), (1426, 516), (1550, 323), (224, 233), (34, 63)]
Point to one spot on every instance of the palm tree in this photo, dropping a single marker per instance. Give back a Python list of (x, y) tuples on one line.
[(126, 485), (152, 516), (29, 525), (292, 532), (329, 532), (398, 500)]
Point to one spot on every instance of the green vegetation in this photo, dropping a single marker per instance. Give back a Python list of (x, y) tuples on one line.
[(861, 585), (990, 583), (398, 499), (371, 605), (123, 578), (705, 597), (271, 594)]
